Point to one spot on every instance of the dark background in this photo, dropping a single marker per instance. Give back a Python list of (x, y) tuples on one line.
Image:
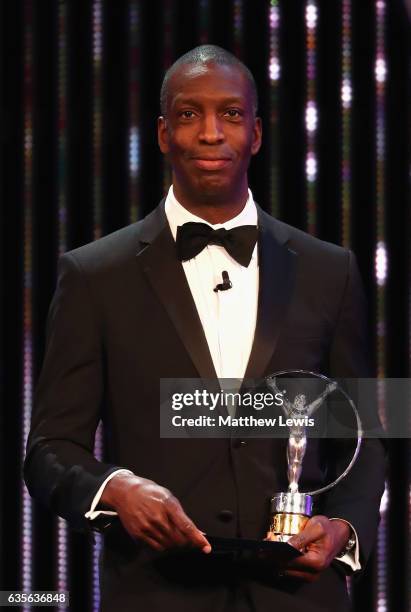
[(74, 183)]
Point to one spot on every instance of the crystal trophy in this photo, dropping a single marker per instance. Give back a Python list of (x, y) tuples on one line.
[(291, 509)]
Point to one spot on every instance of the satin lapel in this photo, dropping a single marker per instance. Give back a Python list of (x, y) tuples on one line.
[(166, 275), (276, 282)]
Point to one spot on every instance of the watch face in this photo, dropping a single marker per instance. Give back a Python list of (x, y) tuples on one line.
[(348, 547), (351, 543)]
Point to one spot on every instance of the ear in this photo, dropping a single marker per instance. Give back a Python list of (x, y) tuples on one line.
[(162, 134), (257, 136)]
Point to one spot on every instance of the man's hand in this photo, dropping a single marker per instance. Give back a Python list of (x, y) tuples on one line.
[(321, 541), (151, 513)]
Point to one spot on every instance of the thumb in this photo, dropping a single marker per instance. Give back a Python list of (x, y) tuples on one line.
[(312, 531)]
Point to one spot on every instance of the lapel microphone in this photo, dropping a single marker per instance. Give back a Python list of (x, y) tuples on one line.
[(226, 284)]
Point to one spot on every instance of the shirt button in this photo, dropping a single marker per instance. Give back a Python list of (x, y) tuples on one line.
[(226, 516)]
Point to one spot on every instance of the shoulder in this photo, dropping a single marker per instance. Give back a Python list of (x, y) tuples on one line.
[(108, 251), (321, 256), (321, 267), (312, 251), (114, 251), (306, 244)]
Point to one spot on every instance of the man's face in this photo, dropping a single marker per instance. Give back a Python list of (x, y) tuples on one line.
[(210, 132)]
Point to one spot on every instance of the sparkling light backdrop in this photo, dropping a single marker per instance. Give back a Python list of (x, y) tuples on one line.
[(99, 103)]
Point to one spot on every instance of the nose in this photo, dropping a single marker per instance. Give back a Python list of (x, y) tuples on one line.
[(211, 130)]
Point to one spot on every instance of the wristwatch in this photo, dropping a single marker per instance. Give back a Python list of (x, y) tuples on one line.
[(348, 547)]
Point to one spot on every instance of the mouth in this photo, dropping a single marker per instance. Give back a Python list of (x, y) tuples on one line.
[(204, 163)]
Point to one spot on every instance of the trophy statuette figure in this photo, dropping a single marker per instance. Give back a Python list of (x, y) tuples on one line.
[(291, 510)]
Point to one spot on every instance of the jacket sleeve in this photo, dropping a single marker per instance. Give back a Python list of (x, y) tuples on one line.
[(356, 499), (60, 469)]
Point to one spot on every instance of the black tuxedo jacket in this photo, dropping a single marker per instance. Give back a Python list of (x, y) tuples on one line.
[(121, 318)]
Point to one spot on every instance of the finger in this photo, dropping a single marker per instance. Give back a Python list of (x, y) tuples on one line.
[(314, 561), (166, 538), (194, 536), (185, 533), (180, 538), (152, 542), (157, 536), (313, 531), (186, 526), (160, 528), (167, 532), (153, 525)]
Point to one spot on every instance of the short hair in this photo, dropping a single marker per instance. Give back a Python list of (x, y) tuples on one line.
[(205, 54)]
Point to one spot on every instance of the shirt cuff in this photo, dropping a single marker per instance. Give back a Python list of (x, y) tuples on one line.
[(92, 513), (352, 558)]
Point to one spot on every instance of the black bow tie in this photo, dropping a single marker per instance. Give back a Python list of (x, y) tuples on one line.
[(239, 242)]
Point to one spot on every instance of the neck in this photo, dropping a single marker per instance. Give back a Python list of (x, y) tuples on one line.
[(212, 209)]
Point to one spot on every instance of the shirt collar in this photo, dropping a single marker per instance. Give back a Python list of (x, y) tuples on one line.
[(177, 215)]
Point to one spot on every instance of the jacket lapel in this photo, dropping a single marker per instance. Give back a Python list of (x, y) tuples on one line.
[(277, 265), (158, 259), (164, 272)]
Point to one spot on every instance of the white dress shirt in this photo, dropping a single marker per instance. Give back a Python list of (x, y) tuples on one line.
[(222, 313)]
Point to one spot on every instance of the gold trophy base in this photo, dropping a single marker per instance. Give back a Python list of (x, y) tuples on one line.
[(289, 513), (284, 525)]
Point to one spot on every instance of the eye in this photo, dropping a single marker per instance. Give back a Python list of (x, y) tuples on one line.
[(234, 113), (187, 114)]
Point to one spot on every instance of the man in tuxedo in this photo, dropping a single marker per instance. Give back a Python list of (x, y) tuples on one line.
[(139, 305)]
